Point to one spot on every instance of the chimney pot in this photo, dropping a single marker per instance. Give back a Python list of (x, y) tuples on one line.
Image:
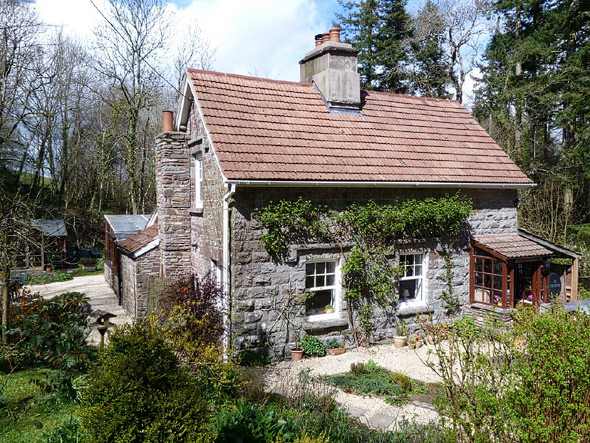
[(318, 39), (167, 125), (335, 34), (325, 37)]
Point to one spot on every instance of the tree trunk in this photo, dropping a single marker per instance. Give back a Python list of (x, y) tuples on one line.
[(5, 303)]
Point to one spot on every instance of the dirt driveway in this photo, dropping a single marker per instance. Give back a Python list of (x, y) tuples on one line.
[(95, 287)]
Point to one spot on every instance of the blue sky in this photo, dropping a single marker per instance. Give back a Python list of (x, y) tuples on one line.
[(265, 38)]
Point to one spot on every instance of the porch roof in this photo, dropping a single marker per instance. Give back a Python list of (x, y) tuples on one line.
[(512, 247)]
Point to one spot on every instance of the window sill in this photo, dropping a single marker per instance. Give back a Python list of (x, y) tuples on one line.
[(324, 321), (196, 210), (417, 307), (322, 317), (487, 307)]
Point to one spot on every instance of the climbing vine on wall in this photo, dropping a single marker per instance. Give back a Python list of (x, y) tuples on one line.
[(369, 273)]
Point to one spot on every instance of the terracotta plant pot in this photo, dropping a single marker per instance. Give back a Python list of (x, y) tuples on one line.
[(336, 351), (296, 354), (399, 341)]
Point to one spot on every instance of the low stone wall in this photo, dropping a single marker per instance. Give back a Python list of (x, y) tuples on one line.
[(485, 315)]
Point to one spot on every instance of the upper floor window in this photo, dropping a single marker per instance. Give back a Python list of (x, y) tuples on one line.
[(321, 286), (197, 175), (411, 281)]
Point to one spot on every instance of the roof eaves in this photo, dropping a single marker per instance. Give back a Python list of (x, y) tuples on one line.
[(207, 133), (549, 245), (379, 184)]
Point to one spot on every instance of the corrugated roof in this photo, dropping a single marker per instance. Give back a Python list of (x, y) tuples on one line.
[(126, 225), (140, 240), (51, 228), (513, 246), (272, 130)]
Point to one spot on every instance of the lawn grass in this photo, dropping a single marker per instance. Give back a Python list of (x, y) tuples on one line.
[(35, 413), (81, 272)]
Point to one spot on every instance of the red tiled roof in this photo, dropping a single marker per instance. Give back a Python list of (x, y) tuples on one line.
[(273, 130), (141, 239), (513, 246)]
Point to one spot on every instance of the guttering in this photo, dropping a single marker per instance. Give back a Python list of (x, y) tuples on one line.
[(225, 275), (378, 184)]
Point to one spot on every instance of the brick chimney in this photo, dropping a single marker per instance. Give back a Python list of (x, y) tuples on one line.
[(332, 66)]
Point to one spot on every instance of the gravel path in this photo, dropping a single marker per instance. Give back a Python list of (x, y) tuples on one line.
[(95, 287), (372, 410)]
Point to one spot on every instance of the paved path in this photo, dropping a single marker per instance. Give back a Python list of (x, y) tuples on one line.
[(94, 287)]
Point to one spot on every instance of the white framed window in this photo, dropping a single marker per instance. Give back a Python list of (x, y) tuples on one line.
[(411, 280), (322, 287), (197, 175), (216, 271)]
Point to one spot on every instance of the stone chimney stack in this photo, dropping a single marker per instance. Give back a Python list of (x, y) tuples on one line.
[(332, 66)]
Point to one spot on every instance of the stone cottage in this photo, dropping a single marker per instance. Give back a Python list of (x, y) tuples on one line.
[(237, 143)]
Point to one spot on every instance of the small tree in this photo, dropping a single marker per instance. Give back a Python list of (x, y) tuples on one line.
[(190, 320), (15, 232)]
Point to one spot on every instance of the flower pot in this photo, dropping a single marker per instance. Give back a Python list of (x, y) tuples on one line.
[(419, 344), (399, 341), (336, 351), (412, 345), (296, 354), (329, 310)]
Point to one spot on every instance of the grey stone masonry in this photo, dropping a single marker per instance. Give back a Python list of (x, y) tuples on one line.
[(173, 195), (262, 288), (135, 275), (206, 222)]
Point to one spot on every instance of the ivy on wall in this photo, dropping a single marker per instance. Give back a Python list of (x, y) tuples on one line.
[(369, 274)]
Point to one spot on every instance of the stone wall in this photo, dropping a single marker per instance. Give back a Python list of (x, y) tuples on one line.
[(173, 195), (135, 275), (261, 288), (108, 274), (128, 290), (206, 224)]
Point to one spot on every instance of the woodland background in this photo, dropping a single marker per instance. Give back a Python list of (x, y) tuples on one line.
[(78, 120)]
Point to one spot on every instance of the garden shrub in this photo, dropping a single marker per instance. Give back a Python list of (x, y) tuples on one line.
[(358, 369), (51, 333), (48, 277), (248, 357), (551, 401), (190, 320), (527, 384), (245, 422), (313, 346), (69, 431), (139, 392), (402, 380)]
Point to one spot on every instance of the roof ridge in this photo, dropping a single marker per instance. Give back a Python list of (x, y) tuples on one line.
[(246, 77), (418, 97)]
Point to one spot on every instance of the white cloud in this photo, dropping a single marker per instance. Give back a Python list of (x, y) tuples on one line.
[(78, 17), (469, 88), (266, 38)]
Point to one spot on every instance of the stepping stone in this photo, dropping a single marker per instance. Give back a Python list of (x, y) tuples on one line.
[(422, 404), (380, 421), (356, 412)]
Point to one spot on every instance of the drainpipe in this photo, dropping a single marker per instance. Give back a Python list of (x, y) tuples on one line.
[(225, 276)]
